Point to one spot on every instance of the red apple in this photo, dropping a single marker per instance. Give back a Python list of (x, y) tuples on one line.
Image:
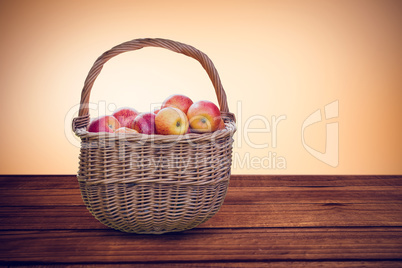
[(178, 101), (144, 123), (171, 121), (106, 123), (125, 115), (221, 125), (125, 130), (204, 116)]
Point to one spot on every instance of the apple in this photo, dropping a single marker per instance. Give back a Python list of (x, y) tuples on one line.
[(177, 101), (125, 130), (106, 123), (221, 125), (144, 123), (171, 121), (204, 116), (125, 115)]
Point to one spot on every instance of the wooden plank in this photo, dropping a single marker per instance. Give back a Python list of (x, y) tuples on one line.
[(268, 264), (327, 195), (243, 195), (306, 215), (48, 218), (230, 216), (70, 181), (313, 180), (203, 245), (38, 182), (41, 197)]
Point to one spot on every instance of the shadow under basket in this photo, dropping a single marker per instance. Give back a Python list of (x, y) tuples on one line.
[(153, 184)]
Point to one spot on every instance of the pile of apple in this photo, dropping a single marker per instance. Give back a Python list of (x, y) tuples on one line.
[(178, 115)]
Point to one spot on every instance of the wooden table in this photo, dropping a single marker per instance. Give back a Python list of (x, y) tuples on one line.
[(278, 221)]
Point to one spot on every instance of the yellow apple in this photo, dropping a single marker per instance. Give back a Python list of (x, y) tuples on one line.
[(204, 116), (171, 121)]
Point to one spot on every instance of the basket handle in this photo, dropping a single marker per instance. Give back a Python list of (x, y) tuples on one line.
[(83, 116)]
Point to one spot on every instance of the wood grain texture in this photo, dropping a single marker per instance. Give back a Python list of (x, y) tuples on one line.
[(103, 246), (239, 264), (265, 221), (230, 216)]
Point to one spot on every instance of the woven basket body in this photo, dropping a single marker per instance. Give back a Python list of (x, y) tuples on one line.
[(154, 184)]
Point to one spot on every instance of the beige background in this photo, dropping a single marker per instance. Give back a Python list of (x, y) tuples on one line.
[(281, 59)]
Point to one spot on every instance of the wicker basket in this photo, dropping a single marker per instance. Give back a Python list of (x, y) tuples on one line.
[(154, 184)]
